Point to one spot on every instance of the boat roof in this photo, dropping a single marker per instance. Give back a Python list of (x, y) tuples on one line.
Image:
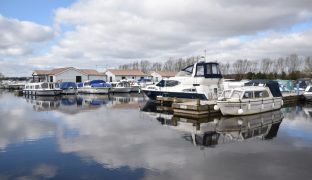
[(250, 88)]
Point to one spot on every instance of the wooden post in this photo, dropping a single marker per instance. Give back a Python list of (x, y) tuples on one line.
[(198, 102)]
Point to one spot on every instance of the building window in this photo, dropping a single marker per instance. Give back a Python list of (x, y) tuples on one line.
[(110, 79), (78, 79), (132, 77), (123, 77), (51, 78)]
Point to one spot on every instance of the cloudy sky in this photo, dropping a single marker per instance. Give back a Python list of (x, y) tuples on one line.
[(96, 34)]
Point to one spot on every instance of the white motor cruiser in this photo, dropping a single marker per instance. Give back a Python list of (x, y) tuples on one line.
[(94, 87), (120, 87), (308, 93), (201, 80), (249, 100), (42, 89)]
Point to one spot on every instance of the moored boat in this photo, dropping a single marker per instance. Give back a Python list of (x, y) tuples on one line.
[(308, 93), (94, 87), (120, 87), (250, 100), (42, 89), (201, 80), (68, 87)]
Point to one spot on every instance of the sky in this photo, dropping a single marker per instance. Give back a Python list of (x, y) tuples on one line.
[(36, 34)]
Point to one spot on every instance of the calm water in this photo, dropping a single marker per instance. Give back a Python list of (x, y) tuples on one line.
[(101, 137)]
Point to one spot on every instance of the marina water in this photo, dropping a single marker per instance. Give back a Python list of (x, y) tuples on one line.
[(109, 137)]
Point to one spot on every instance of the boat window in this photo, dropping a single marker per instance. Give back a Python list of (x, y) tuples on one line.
[(171, 83), (36, 86), (44, 85), (310, 90), (214, 69), (261, 94), (208, 69), (200, 70), (248, 94), (27, 87), (189, 90), (236, 94), (167, 83), (189, 69), (226, 93), (186, 71)]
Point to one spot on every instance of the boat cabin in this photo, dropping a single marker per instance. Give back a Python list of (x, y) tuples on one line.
[(246, 93), (44, 85), (202, 69)]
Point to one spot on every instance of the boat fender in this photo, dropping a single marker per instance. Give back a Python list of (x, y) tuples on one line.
[(249, 105), (240, 122), (273, 104), (282, 102), (216, 107), (240, 111), (262, 105)]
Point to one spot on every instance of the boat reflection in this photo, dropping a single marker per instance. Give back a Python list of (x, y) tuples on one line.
[(73, 104), (215, 130)]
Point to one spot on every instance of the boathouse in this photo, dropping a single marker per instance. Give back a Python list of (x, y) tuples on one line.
[(119, 74), (159, 75), (67, 74)]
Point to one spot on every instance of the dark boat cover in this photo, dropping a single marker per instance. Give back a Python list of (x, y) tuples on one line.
[(272, 85), (67, 85)]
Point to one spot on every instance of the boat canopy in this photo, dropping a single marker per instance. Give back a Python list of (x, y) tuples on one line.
[(202, 69), (67, 85), (99, 83), (272, 85)]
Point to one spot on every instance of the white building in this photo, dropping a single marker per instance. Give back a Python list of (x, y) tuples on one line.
[(68, 74), (118, 74), (159, 75)]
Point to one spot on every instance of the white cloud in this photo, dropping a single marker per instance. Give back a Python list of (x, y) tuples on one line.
[(17, 36), (114, 32)]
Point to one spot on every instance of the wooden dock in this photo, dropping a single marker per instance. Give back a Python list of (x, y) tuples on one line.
[(195, 108)]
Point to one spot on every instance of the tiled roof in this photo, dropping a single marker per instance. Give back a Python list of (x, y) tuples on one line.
[(166, 73), (120, 72), (42, 72), (91, 72), (60, 70)]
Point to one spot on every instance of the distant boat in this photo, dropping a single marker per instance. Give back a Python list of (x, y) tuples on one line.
[(201, 80), (68, 87), (42, 89), (249, 100), (308, 93), (120, 87), (135, 86), (94, 87)]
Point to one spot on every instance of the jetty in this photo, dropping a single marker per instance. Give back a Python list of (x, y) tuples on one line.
[(196, 108)]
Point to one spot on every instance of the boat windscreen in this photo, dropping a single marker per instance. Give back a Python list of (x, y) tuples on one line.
[(236, 94), (226, 93)]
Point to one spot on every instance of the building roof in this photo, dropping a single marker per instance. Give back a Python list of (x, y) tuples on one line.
[(166, 73), (60, 70), (121, 72)]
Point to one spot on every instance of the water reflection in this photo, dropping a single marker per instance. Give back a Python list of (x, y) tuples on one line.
[(73, 104), (215, 130), (109, 140), (18, 123)]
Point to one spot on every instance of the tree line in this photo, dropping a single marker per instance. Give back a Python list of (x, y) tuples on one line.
[(290, 67)]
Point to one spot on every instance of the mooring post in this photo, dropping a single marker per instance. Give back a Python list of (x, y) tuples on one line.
[(198, 102)]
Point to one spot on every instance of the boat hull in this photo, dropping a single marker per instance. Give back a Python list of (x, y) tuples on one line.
[(49, 92), (69, 91), (249, 107), (120, 89), (92, 90), (152, 94), (308, 96)]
